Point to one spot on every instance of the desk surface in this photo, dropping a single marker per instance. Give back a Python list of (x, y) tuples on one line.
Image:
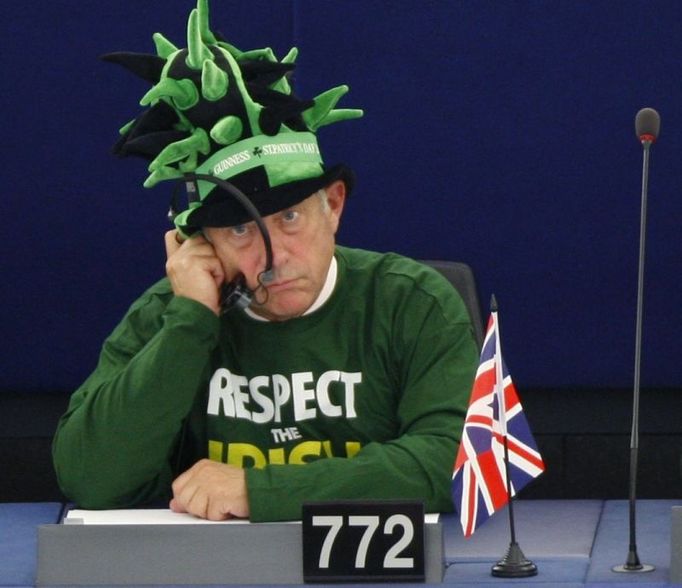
[(18, 539), (573, 543)]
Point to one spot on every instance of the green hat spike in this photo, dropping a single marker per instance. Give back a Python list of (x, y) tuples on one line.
[(324, 103), (227, 130), (183, 124), (189, 164), (206, 34), (214, 81), (164, 47), (197, 52), (266, 53), (282, 85), (291, 56), (253, 109), (161, 174), (126, 127), (197, 142), (183, 93), (231, 49), (339, 114)]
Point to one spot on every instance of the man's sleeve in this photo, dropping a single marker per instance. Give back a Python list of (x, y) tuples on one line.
[(438, 358), (113, 446)]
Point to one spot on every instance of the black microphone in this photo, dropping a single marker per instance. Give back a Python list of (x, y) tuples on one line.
[(647, 125), (647, 128)]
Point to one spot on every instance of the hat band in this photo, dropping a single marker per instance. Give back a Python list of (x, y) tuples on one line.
[(260, 150)]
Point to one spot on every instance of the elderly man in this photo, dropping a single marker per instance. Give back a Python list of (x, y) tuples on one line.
[(348, 374)]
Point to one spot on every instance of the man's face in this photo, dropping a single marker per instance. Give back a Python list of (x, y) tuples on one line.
[(303, 238)]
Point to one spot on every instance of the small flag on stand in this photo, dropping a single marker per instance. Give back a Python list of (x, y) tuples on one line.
[(490, 438)]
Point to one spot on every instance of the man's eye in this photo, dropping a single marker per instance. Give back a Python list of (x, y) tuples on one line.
[(239, 230), (290, 215)]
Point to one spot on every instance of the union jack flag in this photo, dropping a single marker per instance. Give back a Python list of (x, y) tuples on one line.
[(479, 486)]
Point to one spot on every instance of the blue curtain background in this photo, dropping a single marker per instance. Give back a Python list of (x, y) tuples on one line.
[(496, 133)]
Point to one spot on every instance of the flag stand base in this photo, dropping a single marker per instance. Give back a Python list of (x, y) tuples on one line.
[(514, 564)]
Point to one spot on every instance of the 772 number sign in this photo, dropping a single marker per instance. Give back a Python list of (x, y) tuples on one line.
[(359, 541)]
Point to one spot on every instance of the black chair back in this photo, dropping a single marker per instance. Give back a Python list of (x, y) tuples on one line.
[(462, 278)]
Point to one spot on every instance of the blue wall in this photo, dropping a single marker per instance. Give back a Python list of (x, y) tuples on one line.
[(497, 133)]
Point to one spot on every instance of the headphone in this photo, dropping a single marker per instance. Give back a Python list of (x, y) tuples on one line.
[(235, 294)]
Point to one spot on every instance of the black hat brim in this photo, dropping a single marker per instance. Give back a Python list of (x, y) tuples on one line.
[(220, 209)]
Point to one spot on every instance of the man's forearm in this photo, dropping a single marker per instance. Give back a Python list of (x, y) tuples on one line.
[(379, 471), (114, 443)]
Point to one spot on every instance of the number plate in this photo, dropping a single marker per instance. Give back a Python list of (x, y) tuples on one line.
[(353, 541)]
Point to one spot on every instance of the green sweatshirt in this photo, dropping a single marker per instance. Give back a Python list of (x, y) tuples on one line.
[(364, 398)]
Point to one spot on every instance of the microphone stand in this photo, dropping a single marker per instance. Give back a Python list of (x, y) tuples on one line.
[(632, 563)]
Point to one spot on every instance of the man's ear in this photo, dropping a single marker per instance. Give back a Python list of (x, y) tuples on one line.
[(336, 198)]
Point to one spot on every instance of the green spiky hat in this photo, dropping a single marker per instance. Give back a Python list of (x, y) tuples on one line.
[(216, 110)]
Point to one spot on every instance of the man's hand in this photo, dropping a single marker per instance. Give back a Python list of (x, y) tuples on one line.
[(194, 270), (211, 490)]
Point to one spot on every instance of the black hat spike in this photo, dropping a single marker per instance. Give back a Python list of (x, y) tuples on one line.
[(148, 67)]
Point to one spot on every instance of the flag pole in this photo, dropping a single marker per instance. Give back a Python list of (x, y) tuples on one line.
[(514, 564)]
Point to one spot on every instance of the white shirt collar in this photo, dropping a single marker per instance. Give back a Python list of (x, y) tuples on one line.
[(322, 297)]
